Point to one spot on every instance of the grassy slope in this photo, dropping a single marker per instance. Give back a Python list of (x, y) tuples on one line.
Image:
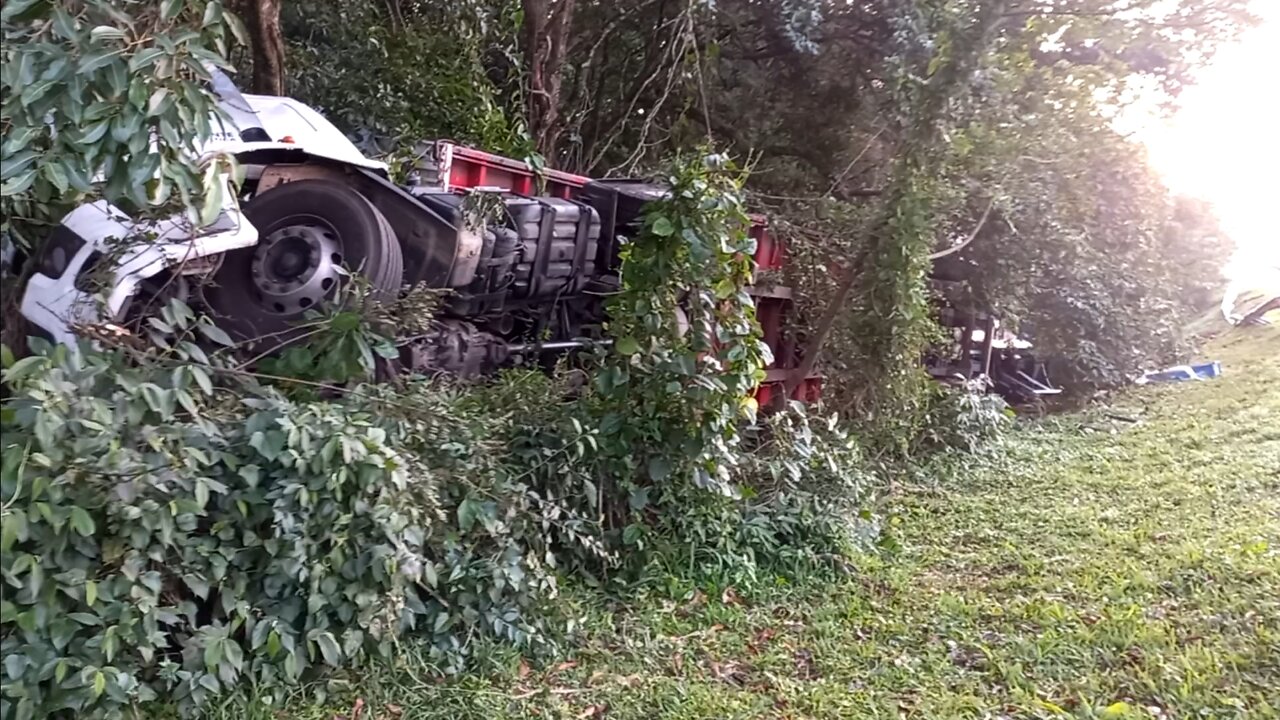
[(1109, 563)]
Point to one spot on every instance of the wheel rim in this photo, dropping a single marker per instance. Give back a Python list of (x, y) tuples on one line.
[(296, 267)]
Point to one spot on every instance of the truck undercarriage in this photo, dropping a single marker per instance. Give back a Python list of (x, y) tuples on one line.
[(527, 259)]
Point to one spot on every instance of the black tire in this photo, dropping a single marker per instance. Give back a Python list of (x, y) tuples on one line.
[(366, 240)]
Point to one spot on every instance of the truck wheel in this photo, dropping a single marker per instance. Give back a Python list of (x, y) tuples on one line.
[(308, 231)]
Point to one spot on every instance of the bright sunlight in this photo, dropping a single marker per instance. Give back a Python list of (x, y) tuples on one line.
[(1223, 145)]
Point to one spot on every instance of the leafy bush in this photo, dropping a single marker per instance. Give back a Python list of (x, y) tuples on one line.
[(415, 82), (710, 494), (170, 528), (804, 505), (688, 350), (964, 419), (104, 99)]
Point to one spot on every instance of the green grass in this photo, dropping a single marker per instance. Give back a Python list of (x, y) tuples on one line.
[(1105, 569)]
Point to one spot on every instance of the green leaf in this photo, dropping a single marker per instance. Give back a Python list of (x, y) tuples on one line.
[(81, 522), (659, 468), (157, 100), (662, 227), (103, 33), (19, 139), (99, 683), (56, 174), (345, 322), (170, 9), (99, 59), (235, 655), (237, 28), (109, 644), (468, 511), (23, 10), (212, 14), (35, 91), (212, 655), (632, 533), (90, 593), (215, 334), (292, 664), (214, 193), (210, 682), (15, 664), (273, 644), (95, 132), (329, 648), (22, 159), (627, 346), (638, 499), (187, 402), (199, 586), (13, 525), (24, 367), (142, 60), (352, 641), (20, 183)]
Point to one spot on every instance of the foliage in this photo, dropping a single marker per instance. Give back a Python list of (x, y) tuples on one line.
[(105, 100), (805, 489), (688, 352), (347, 340), (1088, 254), (712, 496), (421, 74), (172, 527), (1089, 576), (967, 419), (889, 275)]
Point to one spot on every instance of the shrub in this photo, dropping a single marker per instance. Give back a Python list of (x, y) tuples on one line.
[(171, 527), (803, 506), (964, 419)]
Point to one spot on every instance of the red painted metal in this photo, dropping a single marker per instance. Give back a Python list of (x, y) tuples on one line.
[(769, 394), (769, 250), (466, 167)]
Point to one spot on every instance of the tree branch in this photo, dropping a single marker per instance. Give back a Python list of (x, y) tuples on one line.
[(976, 228)]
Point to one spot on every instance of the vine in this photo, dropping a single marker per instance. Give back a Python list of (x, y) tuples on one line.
[(688, 352)]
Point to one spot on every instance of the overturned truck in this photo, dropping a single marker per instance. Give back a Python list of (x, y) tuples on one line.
[(529, 278)]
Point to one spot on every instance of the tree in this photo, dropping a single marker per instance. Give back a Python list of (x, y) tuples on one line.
[(546, 38), (1081, 236), (262, 19), (1092, 258)]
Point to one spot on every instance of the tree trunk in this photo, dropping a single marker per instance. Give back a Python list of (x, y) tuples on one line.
[(546, 38), (262, 20)]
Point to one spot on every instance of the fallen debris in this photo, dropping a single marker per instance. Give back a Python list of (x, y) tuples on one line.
[(1179, 373)]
